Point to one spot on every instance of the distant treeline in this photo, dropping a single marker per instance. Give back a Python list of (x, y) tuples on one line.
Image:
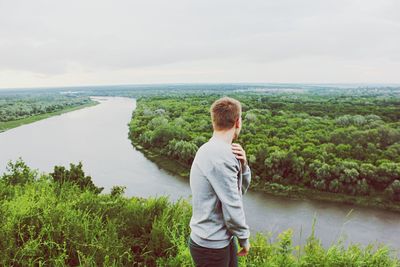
[(18, 106), (331, 143), (61, 219), (141, 90)]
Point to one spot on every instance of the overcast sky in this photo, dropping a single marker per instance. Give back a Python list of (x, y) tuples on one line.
[(88, 42)]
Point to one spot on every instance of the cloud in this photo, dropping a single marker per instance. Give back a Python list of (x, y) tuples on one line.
[(60, 39)]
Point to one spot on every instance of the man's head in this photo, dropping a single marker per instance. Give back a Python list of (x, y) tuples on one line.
[(226, 115)]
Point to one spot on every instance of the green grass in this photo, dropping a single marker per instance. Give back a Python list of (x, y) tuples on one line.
[(4, 126), (47, 223)]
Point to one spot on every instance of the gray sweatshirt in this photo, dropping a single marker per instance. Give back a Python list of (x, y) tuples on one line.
[(217, 186)]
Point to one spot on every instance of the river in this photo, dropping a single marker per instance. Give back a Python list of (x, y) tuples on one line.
[(98, 136)]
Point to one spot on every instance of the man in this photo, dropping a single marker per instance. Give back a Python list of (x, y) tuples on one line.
[(219, 176)]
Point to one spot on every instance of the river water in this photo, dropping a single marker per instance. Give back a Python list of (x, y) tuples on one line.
[(98, 136)]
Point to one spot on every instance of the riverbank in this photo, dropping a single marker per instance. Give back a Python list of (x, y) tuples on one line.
[(290, 191), (4, 126), (173, 167)]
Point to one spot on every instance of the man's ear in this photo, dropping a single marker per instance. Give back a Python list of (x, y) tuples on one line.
[(237, 123)]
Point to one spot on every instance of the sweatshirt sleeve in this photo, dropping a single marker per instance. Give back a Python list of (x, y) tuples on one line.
[(246, 175), (224, 180)]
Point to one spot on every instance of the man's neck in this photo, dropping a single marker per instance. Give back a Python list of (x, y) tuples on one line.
[(226, 136)]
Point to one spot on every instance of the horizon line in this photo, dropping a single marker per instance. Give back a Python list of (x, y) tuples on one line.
[(208, 83)]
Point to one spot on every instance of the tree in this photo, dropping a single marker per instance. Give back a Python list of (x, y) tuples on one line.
[(117, 190), (394, 190), (18, 173), (284, 164), (368, 172), (335, 185), (387, 172), (165, 133), (320, 174), (182, 150), (362, 187), (388, 136), (76, 176), (157, 122)]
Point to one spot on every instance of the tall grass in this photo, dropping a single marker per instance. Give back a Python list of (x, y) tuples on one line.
[(45, 223)]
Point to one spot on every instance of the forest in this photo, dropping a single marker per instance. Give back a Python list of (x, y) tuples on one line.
[(333, 143), (17, 108), (62, 219)]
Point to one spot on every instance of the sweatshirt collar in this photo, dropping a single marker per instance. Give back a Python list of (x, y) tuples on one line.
[(219, 140)]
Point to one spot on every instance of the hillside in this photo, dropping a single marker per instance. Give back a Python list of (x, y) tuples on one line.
[(62, 218)]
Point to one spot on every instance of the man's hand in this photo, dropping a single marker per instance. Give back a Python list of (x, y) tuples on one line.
[(240, 154), (244, 251)]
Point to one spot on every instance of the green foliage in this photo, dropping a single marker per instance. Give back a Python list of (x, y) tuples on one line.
[(45, 223), (117, 191), (74, 175), (18, 173), (393, 190), (21, 105), (182, 150), (328, 143)]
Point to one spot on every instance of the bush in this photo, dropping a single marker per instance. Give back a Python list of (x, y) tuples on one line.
[(76, 176), (47, 223)]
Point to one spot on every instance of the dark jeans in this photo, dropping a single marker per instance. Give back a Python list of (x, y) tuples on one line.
[(214, 257)]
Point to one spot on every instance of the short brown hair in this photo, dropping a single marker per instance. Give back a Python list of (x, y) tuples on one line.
[(224, 113)]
